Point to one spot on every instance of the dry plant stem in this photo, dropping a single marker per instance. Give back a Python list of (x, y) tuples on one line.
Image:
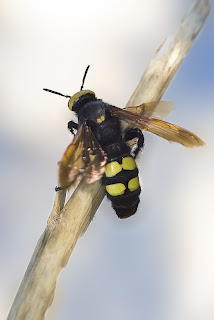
[(53, 250), (67, 223), (168, 57)]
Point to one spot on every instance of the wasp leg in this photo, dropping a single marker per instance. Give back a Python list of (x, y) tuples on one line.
[(72, 125), (58, 189), (133, 134)]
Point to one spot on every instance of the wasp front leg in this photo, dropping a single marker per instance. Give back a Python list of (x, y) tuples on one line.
[(135, 140), (72, 126)]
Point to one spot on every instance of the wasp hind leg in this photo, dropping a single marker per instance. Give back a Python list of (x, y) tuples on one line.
[(72, 126), (130, 137)]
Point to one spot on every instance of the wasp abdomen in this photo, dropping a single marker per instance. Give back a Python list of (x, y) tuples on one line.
[(122, 185)]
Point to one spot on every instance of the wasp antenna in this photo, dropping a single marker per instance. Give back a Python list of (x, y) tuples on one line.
[(83, 80), (55, 92)]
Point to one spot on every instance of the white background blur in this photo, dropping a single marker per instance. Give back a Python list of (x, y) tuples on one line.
[(159, 263)]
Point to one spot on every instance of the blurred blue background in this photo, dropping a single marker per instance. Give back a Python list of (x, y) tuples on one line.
[(159, 263)]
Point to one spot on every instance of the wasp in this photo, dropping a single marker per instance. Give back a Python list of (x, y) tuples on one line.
[(103, 148)]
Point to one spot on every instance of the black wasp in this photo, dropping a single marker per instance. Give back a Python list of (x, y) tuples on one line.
[(102, 149)]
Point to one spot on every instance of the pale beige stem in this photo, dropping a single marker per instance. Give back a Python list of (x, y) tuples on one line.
[(67, 223)]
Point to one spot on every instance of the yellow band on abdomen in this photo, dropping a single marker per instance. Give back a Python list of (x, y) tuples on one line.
[(116, 189), (133, 184), (128, 163), (112, 169)]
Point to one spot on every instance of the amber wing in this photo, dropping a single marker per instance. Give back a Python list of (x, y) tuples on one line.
[(84, 157), (166, 130), (156, 109)]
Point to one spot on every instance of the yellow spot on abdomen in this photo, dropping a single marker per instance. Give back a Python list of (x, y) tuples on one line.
[(128, 163), (133, 184), (112, 169), (116, 189)]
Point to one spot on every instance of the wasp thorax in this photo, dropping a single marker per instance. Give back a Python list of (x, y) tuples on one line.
[(80, 98)]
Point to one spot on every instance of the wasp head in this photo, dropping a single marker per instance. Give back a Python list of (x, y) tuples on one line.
[(79, 99)]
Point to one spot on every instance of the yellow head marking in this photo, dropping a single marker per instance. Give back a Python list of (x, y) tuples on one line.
[(128, 163), (76, 96), (116, 189), (112, 169), (101, 119), (133, 184)]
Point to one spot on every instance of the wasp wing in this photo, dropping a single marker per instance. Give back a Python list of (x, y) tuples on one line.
[(156, 109), (166, 130), (84, 157), (94, 156)]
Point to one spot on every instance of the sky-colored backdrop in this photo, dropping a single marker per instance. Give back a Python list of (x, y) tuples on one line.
[(159, 263)]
